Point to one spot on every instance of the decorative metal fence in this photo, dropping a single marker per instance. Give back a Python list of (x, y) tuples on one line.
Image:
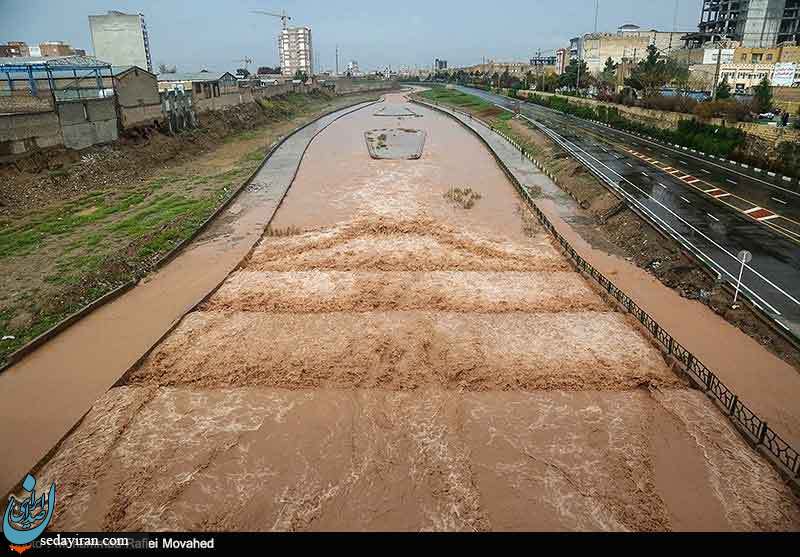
[(756, 429)]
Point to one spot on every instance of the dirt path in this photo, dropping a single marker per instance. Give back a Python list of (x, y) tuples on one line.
[(393, 361)]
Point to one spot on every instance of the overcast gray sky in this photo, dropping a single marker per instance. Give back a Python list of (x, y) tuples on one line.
[(194, 34)]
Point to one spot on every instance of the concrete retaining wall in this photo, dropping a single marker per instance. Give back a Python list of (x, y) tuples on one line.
[(273, 91), (141, 115), (20, 133), (81, 124), (770, 133), (89, 122), (670, 120), (223, 101), (346, 86), (243, 96), (656, 118)]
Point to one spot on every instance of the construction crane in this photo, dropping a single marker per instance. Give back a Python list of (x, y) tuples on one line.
[(282, 16)]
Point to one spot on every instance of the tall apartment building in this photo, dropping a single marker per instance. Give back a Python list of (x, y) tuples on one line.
[(121, 39), (754, 23), (296, 50)]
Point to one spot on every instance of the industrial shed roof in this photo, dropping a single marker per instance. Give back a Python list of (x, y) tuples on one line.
[(194, 76), (58, 63), (121, 70)]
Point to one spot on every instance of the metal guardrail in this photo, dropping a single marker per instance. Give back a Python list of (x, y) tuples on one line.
[(755, 428)]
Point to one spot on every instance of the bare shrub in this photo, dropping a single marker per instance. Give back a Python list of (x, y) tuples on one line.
[(282, 232), (464, 197), (730, 109)]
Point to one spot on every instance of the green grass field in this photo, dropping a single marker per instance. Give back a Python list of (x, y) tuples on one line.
[(57, 259)]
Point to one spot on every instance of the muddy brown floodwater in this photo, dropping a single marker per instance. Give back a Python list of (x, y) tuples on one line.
[(403, 363)]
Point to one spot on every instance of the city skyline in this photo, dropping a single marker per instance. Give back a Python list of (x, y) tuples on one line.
[(376, 36)]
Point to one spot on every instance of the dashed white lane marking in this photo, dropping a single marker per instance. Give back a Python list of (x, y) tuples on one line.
[(757, 213), (713, 217), (704, 170), (629, 164), (686, 200), (663, 186), (684, 162), (645, 174), (734, 182), (570, 146)]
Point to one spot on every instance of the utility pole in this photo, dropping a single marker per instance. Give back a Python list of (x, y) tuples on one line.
[(675, 18), (719, 67), (580, 63), (337, 59), (541, 70), (596, 13)]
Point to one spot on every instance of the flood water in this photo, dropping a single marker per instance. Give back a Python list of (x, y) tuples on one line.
[(390, 358), (339, 182)]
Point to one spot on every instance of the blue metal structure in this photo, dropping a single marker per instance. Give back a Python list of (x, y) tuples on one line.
[(52, 70)]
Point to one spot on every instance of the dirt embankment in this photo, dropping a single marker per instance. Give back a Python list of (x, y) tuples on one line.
[(55, 175), (75, 225)]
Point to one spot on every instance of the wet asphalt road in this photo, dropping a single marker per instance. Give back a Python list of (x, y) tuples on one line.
[(713, 231)]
